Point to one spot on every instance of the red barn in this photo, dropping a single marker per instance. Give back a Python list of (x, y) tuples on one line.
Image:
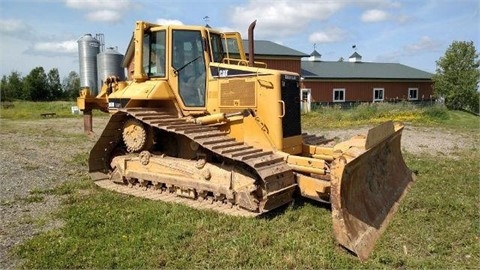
[(357, 81)]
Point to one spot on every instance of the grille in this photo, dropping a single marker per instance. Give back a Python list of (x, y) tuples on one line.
[(237, 93)]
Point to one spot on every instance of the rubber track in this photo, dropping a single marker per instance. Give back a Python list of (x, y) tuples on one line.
[(157, 195), (313, 139), (268, 166)]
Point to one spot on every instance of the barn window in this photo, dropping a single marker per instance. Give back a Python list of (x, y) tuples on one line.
[(339, 95), (378, 94), (412, 93)]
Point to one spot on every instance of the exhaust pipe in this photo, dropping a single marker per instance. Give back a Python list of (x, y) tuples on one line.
[(251, 50)]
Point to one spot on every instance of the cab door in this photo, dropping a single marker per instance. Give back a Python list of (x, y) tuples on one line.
[(188, 64)]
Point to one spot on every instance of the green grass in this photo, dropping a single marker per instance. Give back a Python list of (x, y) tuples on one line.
[(436, 227), (32, 110), (31, 198), (108, 230), (461, 120), (365, 114), (438, 222)]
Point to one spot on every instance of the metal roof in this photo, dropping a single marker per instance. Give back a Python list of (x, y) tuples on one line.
[(361, 70), (315, 53), (355, 55), (269, 48)]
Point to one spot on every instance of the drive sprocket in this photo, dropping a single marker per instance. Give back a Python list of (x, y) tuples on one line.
[(136, 136)]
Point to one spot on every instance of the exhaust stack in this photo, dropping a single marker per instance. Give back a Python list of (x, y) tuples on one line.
[(251, 49)]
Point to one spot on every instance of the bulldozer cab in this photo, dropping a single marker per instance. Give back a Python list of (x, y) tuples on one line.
[(181, 56)]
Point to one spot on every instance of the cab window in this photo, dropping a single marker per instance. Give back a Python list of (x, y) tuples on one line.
[(217, 48), (154, 54), (189, 65)]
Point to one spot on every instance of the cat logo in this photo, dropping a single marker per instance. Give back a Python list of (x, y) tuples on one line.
[(223, 73)]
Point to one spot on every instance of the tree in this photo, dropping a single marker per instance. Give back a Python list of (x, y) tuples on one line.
[(54, 84), (11, 86), (15, 82), (4, 91), (458, 76), (36, 85), (71, 85)]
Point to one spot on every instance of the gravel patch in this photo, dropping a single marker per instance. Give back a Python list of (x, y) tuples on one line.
[(36, 155), (418, 140)]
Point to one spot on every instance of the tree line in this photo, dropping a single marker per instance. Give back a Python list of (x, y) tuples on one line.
[(39, 86)]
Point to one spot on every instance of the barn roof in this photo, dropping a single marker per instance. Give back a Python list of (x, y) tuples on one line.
[(315, 53), (361, 70), (355, 55), (269, 48)]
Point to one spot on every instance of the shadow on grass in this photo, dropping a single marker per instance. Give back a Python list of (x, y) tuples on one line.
[(296, 204)]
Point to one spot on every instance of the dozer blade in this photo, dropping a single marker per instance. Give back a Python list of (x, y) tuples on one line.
[(368, 182)]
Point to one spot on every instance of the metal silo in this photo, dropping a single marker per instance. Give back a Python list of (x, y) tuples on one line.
[(109, 63), (88, 48)]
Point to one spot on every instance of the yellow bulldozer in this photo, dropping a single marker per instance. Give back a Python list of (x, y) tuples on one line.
[(198, 123)]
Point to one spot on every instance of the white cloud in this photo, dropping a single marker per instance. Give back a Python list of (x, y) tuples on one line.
[(379, 3), (374, 15), (104, 16), (425, 44), (12, 26), (422, 46), (389, 57), (68, 46), (375, 11), (102, 10), (403, 18), (99, 4), (225, 29), (163, 21), (329, 35), (16, 28), (283, 17)]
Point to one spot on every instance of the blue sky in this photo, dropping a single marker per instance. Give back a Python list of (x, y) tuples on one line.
[(414, 32)]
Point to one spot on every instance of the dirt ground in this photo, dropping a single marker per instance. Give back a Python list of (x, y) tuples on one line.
[(37, 155)]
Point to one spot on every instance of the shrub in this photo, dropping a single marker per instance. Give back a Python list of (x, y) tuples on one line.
[(436, 112)]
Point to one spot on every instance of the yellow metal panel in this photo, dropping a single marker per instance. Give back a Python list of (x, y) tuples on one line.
[(255, 135), (324, 157), (151, 90), (306, 161), (308, 170), (269, 108), (311, 187), (317, 150)]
